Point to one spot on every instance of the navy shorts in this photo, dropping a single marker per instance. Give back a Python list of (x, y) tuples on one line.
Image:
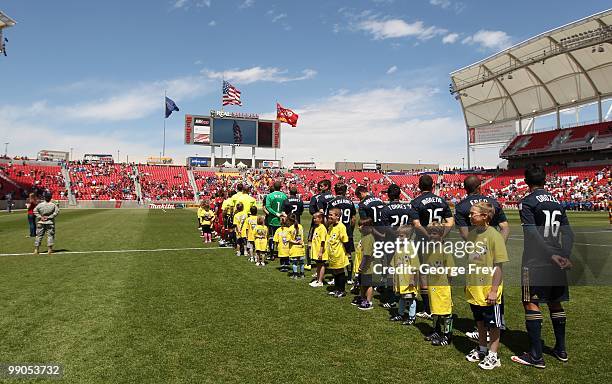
[(489, 314)]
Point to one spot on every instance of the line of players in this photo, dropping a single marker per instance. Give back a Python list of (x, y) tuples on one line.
[(548, 243)]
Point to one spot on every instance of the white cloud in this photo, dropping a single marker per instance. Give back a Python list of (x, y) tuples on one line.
[(279, 17), (451, 38), (440, 3), (254, 74), (376, 124), (125, 103), (212, 23), (246, 4), (396, 28), (186, 4), (391, 70), (456, 6), (489, 40)]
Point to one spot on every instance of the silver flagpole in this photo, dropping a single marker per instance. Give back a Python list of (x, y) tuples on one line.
[(164, 142)]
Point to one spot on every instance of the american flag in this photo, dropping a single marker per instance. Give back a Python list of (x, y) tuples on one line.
[(231, 94)]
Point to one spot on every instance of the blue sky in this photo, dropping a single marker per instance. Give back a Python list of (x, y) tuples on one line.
[(369, 78)]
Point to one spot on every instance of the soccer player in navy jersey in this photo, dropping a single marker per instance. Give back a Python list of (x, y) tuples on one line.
[(369, 206), (348, 217), (429, 208), (324, 197), (548, 244), (294, 205), (474, 195)]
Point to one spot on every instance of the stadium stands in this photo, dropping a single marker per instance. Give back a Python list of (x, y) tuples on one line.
[(585, 187), (36, 178), (577, 138), (160, 182), (102, 181)]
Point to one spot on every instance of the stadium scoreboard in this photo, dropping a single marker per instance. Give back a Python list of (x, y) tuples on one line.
[(232, 128)]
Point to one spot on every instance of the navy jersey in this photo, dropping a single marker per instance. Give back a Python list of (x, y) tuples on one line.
[(430, 207), (323, 201), (546, 229), (294, 206), (347, 211), (372, 207), (396, 213), (312, 207), (462, 210)]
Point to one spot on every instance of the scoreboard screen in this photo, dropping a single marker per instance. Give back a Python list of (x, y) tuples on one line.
[(250, 132), (234, 131)]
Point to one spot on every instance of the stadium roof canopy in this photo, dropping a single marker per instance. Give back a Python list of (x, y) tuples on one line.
[(567, 66), (6, 21)]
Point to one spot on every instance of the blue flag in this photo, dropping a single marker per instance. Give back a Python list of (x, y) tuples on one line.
[(170, 107)]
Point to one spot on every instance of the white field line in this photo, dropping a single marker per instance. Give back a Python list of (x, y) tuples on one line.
[(116, 251)]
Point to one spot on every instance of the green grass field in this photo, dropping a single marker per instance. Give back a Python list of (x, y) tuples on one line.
[(206, 316)]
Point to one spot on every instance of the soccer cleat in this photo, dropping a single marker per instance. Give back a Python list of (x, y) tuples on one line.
[(365, 306), (340, 294), (35, 251), (431, 336), (331, 282), (424, 315), (440, 341), (475, 356), (527, 359), (357, 300), (332, 293), (389, 305), (409, 321), (316, 284), (490, 362), (396, 318), (473, 335), (560, 355), (237, 253), (349, 282)]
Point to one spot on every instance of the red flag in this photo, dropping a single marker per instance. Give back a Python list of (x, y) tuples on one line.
[(285, 115)]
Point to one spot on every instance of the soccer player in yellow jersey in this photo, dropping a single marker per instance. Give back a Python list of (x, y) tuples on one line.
[(363, 265), (318, 253), (338, 260), (297, 251), (484, 284), (206, 217), (249, 229), (261, 241), (239, 221), (281, 239), (438, 286), (405, 277)]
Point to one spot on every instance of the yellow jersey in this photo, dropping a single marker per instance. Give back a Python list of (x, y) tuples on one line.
[(336, 237), (365, 247), (281, 237), (261, 238), (490, 250), (227, 206), (249, 228), (319, 236), (438, 286), (205, 216), (297, 250), (239, 222), (406, 264)]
